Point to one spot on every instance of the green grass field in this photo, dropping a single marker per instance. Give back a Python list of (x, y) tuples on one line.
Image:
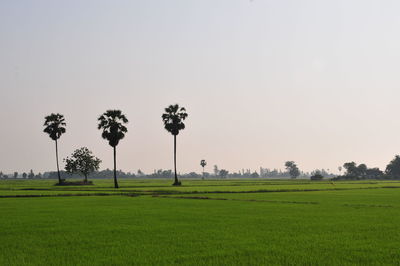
[(210, 222)]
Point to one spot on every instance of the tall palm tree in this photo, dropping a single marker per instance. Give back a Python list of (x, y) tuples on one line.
[(55, 126), (203, 163), (173, 123), (112, 123)]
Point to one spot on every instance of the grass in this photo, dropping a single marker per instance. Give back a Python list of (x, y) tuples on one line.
[(207, 222), (189, 186)]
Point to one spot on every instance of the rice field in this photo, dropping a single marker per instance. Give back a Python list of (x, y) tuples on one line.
[(204, 222)]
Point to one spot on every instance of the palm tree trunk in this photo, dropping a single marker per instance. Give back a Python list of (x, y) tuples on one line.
[(115, 167), (58, 167), (176, 183)]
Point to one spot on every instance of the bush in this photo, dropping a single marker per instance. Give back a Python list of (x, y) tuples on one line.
[(76, 183), (317, 177)]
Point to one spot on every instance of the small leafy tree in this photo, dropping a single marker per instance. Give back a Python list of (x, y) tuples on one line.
[(173, 122), (393, 168), (24, 175), (292, 169), (55, 126), (223, 173), (362, 170), (351, 169), (255, 175), (82, 161), (31, 174), (317, 175), (216, 170)]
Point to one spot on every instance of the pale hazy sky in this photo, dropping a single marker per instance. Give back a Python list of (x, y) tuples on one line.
[(317, 82)]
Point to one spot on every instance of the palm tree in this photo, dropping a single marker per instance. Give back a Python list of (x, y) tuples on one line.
[(111, 122), (203, 163), (55, 127), (173, 123)]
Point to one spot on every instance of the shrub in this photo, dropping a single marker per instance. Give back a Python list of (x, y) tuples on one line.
[(317, 177)]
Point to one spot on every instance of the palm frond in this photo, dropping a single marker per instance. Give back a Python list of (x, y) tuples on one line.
[(173, 118), (54, 125), (112, 123)]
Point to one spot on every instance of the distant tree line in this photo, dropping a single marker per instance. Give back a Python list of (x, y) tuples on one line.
[(353, 171), (29, 175), (361, 171)]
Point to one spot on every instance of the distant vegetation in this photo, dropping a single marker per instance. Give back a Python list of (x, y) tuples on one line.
[(317, 176), (292, 168), (361, 171), (352, 172), (203, 164)]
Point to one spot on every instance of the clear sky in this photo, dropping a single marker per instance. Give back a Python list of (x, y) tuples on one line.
[(264, 81)]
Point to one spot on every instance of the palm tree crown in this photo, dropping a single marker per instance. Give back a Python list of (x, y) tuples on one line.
[(54, 126), (112, 124), (173, 119)]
